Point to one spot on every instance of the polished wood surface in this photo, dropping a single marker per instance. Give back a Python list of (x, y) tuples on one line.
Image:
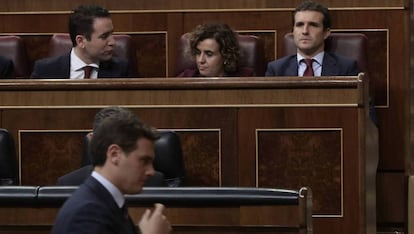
[(157, 25), (50, 5), (229, 128), (218, 219), (178, 92)]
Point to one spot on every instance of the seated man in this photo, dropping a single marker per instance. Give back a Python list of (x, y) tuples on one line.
[(6, 68), (77, 177), (90, 29), (311, 26)]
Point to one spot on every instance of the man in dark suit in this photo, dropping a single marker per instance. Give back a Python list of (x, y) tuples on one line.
[(122, 150), (6, 68), (90, 29), (311, 26)]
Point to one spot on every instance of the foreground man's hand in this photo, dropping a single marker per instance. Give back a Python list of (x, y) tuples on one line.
[(155, 222)]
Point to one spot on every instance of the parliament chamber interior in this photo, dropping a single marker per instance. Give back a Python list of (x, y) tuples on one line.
[(261, 154)]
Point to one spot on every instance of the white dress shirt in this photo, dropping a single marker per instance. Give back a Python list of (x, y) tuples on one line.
[(316, 65), (112, 189), (76, 67)]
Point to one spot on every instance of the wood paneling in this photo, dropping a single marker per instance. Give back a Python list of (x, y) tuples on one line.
[(320, 128), (45, 156), (50, 5), (392, 197), (386, 23), (185, 217), (305, 149), (63, 151), (151, 54)]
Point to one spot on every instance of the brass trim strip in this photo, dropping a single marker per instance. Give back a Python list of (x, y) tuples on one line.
[(51, 33), (195, 10), (180, 106)]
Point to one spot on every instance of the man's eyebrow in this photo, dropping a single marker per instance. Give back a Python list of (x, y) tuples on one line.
[(147, 158), (314, 23), (105, 34)]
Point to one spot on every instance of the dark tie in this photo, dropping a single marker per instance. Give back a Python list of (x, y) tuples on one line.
[(309, 68), (87, 70), (130, 225), (125, 211)]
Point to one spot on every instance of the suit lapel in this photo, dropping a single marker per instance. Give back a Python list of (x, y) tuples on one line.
[(64, 67), (125, 225), (292, 67), (104, 69), (329, 65)]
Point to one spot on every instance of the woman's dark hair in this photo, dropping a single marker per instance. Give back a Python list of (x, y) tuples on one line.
[(225, 37)]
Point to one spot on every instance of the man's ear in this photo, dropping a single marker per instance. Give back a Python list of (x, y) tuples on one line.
[(327, 33), (113, 154), (89, 136), (80, 41)]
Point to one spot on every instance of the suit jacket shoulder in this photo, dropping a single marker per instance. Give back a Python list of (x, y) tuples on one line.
[(332, 65), (91, 209), (59, 67), (6, 68), (286, 66), (336, 65), (114, 68), (76, 177), (54, 67)]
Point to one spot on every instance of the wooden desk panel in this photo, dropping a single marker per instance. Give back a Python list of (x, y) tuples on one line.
[(228, 128), (250, 209), (179, 92), (183, 219)]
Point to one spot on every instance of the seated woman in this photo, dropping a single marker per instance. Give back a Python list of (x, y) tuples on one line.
[(216, 51)]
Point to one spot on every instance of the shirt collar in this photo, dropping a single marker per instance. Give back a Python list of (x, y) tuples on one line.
[(77, 64), (318, 58), (112, 189)]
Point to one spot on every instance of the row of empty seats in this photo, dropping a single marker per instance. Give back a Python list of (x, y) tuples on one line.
[(352, 45), (168, 158)]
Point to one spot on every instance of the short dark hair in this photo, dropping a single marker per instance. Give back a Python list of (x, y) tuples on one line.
[(81, 20), (314, 6), (122, 128), (225, 37), (104, 113)]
